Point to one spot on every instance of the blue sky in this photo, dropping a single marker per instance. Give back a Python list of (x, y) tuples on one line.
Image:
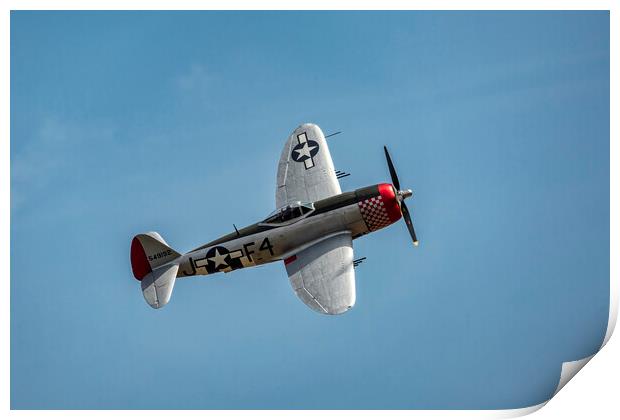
[(174, 121)]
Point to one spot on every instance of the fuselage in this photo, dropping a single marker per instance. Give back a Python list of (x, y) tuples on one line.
[(293, 229)]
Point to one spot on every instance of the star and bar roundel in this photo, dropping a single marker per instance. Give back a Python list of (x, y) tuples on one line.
[(305, 150), (219, 258)]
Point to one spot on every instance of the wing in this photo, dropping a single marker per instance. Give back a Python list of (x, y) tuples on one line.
[(305, 171), (322, 274)]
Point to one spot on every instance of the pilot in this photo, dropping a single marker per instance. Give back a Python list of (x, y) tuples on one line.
[(285, 214)]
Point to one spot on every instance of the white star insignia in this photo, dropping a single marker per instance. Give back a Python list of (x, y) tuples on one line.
[(305, 151), (219, 259)]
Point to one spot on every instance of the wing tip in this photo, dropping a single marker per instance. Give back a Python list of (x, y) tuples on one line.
[(340, 311)]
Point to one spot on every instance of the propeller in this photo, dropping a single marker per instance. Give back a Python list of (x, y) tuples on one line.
[(402, 195)]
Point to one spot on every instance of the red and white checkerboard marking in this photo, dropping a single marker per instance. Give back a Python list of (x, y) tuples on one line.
[(374, 213)]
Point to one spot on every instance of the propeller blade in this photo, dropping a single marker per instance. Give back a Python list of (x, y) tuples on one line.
[(402, 195), (392, 170), (407, 218)]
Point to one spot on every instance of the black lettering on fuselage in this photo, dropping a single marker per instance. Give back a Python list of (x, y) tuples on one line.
[(191, 264), (266, 245), (160, 255), (247, 251)]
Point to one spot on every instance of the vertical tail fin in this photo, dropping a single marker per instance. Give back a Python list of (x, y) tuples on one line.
[(150, 261)]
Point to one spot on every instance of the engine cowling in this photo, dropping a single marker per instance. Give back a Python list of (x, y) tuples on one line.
[(381, 210)]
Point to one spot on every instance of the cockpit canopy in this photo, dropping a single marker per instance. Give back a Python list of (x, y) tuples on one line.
[(289, 212)]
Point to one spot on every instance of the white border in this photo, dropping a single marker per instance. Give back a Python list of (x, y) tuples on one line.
[(568, 369)]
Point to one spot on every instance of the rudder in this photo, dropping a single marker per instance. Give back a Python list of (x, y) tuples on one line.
[(149, 251)]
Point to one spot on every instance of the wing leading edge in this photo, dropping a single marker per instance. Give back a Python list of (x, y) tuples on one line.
[(322, 274), (305, 171)]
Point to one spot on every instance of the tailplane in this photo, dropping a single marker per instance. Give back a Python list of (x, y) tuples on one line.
[(152, 262)]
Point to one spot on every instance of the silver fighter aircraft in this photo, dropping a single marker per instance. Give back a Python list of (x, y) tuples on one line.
[(311, 231)]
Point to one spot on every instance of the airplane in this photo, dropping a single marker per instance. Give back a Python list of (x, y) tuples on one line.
[(312, 232)]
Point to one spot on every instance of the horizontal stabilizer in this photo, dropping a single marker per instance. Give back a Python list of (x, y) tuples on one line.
[(157, 285)]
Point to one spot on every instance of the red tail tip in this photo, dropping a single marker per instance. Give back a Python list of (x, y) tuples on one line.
[(139, 264)]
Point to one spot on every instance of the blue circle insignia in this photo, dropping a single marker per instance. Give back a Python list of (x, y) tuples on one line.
[(306, 150)]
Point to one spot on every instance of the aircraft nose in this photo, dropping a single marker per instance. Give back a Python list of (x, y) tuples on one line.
[(405, 193), (390, 201)]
